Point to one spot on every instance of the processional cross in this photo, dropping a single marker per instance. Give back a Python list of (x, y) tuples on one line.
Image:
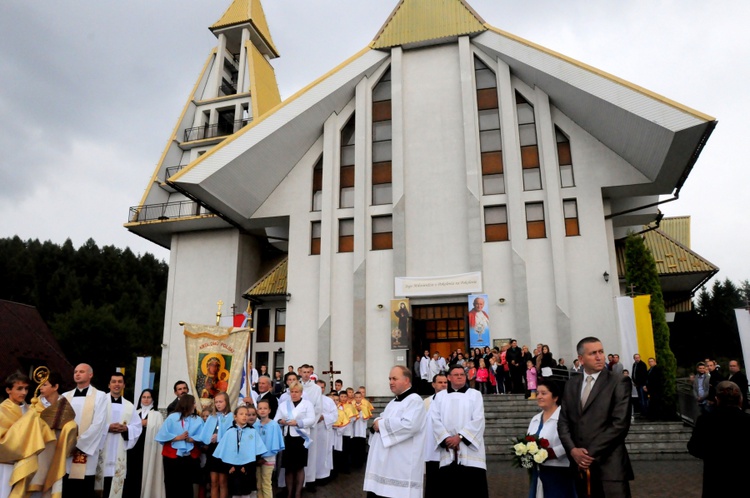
[(219, 303), (331, 372), (632, 290)]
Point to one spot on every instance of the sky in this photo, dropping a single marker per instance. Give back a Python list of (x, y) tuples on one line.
[(91, 90)]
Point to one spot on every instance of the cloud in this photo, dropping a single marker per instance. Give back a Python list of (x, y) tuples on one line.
[(91, 91)]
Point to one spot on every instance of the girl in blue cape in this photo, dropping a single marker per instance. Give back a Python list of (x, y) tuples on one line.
[(270, 432), (240, 447), (214, 428), (180, 454)]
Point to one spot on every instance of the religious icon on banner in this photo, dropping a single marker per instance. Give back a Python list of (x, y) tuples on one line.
[(213, 374), (215, 360), (400, 324), (479, 321)]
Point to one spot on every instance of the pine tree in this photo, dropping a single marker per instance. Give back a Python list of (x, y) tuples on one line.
[(640, 271)]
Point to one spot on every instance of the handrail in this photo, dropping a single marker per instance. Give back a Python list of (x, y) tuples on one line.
[(213, 131), (166, 211)]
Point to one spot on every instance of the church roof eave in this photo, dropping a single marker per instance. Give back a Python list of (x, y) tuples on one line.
[(272, 284), (659, 137), (239, 174), (680, 268)]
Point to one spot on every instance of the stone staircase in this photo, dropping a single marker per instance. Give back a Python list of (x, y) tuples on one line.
[(508, 416)]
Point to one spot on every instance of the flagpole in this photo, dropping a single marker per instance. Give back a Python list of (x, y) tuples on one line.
[(249, 350)]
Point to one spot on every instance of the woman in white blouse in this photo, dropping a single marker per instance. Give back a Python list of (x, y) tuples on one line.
[(553, 478), (296, 416)]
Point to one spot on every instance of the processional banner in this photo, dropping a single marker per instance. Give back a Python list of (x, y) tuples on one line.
[(215, 357)]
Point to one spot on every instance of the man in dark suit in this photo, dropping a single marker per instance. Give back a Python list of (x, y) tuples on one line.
[(639, 374), (264, 392), (739, 378), (654, 389), (726, 426), (515, 368), (594, 422)]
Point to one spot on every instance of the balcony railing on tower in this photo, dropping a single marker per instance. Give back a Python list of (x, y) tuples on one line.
[(214, 130), (166, 211)]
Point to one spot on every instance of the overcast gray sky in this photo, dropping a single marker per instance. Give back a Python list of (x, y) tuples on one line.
[(90, 91)]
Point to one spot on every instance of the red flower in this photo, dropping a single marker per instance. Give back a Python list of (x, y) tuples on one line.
[(530, 438), (543, 443)]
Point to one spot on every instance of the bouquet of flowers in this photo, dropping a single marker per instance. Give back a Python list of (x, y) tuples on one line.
[(529, 450)]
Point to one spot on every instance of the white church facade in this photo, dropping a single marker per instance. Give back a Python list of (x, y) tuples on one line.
[(452, 153)]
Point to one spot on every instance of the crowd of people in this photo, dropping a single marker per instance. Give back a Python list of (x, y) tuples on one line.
[(87, 442), (297, 432), (584, 426)]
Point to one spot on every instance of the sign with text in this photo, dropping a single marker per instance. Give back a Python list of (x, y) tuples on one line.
[(464, 283)]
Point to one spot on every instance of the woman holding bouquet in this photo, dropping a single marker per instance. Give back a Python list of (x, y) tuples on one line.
[(553, 477)]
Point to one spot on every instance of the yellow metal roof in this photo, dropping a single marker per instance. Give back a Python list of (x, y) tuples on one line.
[(678, 228), (272, 283), (672, 258), (243, 11), (417, 21), (263, 86)]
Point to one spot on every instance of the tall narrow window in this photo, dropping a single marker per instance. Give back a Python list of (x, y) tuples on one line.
[(317, 188), (346, 235), (570, 212), (495, 223), (262, 325), (346, 176), (382, 232), (315, 237), (532, 173), (564, 159), (490, 141), (535, 220), (382, 150), (279, 334)]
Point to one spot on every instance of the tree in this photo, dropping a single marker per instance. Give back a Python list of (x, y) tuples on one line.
[(104, 305), (716, 311), (641, 272)]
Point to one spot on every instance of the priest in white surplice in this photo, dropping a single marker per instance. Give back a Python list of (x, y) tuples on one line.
[(313, 394), (457, 416), (324, 433), (122, 432), (431, 451), (394, 463), (90, 406)]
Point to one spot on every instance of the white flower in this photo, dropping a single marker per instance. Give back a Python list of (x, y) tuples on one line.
[(520, 449), (531, 447), (541, 456), (526, 462)]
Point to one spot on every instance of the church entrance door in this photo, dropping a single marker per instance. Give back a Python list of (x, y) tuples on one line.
[(440, 328)]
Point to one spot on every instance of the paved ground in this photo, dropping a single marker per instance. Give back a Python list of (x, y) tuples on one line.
[(653, 479)]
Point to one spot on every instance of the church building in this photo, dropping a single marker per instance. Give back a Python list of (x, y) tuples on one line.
[(446, 159)]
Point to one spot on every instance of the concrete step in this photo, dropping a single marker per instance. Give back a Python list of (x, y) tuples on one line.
[(507, 417)]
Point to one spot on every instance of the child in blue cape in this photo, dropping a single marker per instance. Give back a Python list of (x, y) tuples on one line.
[(240, 448), (270, 432), (179, 434), (215, 427)]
